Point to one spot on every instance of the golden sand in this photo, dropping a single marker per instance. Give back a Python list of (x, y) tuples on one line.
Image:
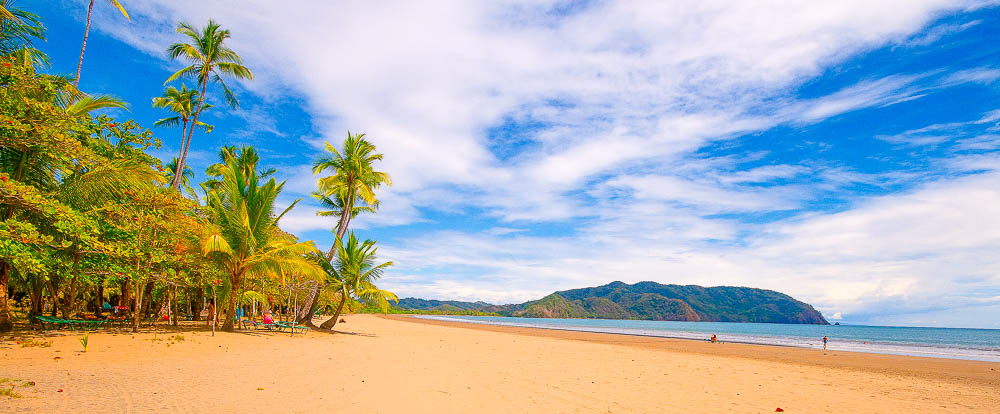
[(400, 364)]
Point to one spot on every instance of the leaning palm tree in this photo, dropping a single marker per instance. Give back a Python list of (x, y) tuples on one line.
[(354, 182), (210, 58), (181, 102), (354, 274), (86, 33), (249, 242)]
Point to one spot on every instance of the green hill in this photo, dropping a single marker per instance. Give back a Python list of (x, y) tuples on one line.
[(649, 301)]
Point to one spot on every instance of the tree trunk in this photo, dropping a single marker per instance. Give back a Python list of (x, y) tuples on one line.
[(345, 219), (329, 324), (69, 297), (37, 299), (174, 303), (231, 306), (197, 302), (147, 302), (194, 121), (100, 298), (86, 33), (307, 313), (126, 297), (6, 324), (136, 314), (179, 174)]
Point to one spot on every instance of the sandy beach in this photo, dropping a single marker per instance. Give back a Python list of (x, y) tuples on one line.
[(400, 364)]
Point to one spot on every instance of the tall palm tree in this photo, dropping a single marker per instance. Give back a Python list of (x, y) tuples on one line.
[(354, 179), (181, 102), (210, 58), (249, 242), (86, 33), (354, 274)]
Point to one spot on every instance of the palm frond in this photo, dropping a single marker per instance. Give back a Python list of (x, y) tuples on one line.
[(88, 103)]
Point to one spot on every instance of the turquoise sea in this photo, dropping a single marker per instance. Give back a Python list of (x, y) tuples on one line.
[(959, 343)]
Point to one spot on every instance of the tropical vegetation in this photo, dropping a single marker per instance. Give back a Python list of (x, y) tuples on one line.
[(93, 226)]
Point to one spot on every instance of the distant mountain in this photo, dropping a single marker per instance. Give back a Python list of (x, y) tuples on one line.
[(648, 301)]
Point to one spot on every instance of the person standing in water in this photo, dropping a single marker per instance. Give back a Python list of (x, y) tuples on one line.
[(824, 342)]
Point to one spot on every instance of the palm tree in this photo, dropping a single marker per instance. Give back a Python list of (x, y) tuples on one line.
[(335, 206), (182, 102), (354, 179), (210, 59), (18, 28), (249, 242), (354, 274), (86, 33), (185, 177)]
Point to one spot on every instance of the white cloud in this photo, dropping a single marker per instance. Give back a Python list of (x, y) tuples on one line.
[(624, 94)]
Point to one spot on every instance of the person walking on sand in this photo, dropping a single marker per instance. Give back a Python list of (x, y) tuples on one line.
[(824, 342)]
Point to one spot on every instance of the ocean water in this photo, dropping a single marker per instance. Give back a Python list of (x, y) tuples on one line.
[(958, 343)]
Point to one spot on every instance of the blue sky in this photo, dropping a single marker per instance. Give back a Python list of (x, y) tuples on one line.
[(845, 153)]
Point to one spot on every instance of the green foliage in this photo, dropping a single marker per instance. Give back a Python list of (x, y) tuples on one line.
[(18, 28), (551, 306), (248, 241), (644, 300), (84, 207), (85, 341)]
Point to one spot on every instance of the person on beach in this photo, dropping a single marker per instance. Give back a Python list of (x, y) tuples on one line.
[(211, 313), (714, 339), (268, 319), (824, 342)]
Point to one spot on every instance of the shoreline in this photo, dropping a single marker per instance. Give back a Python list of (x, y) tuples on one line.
[(837, 346), (950, 369)]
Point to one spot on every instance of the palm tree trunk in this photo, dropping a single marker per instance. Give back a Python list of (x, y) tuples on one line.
[(179, 174), (231, 307), (86, 33), (194, 121), (345, 220), (333, 321)]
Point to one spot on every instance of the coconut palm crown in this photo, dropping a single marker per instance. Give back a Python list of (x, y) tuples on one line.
[(248, 242)]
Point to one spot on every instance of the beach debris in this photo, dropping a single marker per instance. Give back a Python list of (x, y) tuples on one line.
[(260, 388), (779, 410), (56, 358), (60, 390)]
